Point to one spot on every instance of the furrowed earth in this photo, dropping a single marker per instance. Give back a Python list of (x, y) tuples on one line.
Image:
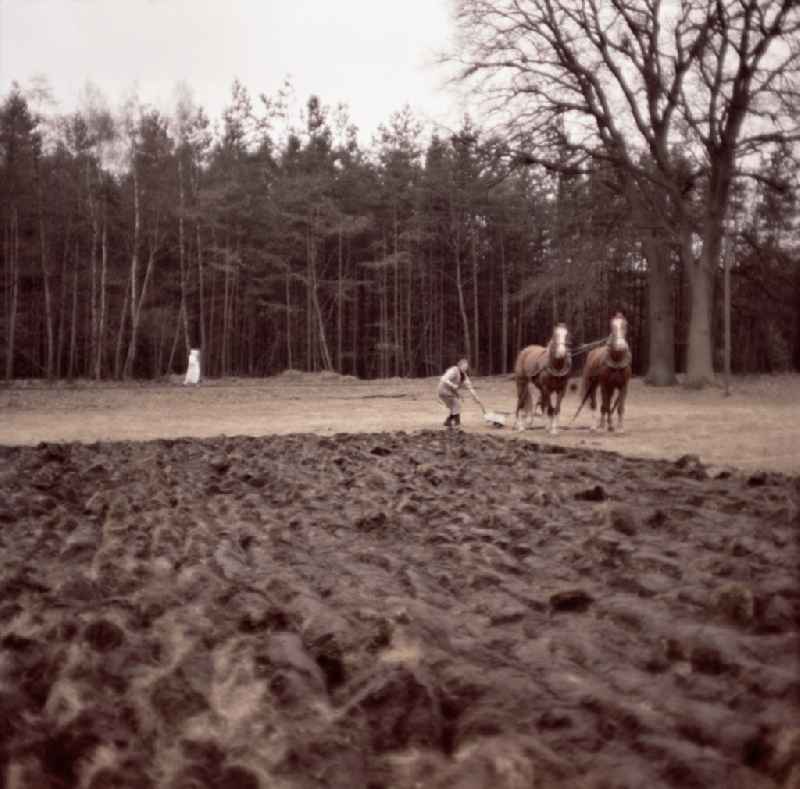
[(396, 607)]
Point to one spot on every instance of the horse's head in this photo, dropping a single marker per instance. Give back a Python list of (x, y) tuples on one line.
[(559, 341), (619, 333), (618, 339), (559, 347)]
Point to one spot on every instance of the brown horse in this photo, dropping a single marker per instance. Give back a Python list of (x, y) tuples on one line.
[(546, 368), (608, 367)]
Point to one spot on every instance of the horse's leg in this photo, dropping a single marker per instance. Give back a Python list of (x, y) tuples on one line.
[(596, 424), (520, 402), (604, 404), (547, 417), (593, 384), (608, 399), (623, 393), (531, 409), (523, 403), (557, 411)]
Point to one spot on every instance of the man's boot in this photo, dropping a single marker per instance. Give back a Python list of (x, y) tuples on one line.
[(448, 421), (456, 420)]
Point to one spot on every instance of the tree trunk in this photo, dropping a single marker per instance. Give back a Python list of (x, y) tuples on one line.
[(313, 287), (462, 307), (699, 360), (288, 291), (354, 323), (475, 303), (309, 332), (442, 316), (136, 309), (131, 355), (700, 272), (123, 318), (412, 348), (48, 304), (73, 333), (62, 302), (200, 291), (93, 323), (661, 319), (226, 285), (182, 254), (396, 333), (384, 331), (339, 305), (13, 292), (211, 318), (503, 307), (174, 346), (101, 318)]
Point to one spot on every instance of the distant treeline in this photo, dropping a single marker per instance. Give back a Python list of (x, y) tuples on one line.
[(130, 237)]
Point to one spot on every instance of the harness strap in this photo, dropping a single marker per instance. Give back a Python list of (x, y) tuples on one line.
[(547, 366), (560, 373), (621, 365)]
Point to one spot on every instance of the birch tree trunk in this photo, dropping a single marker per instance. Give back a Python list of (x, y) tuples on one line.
[(475, 303), (174, 345), (73, 332), (310, 357), (354, 321), (462, 308), (129, 359), (101, 318), (503, 307), (339, 305), (200, 290), (211, 317), (314, 293), (62, 303), (136, 308), (48, 304), (182, 253), (288, 292), (13, 291), (397, 338), (93, 294), (123, 319)]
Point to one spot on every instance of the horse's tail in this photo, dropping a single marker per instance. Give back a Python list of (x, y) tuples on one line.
[(589, 389)]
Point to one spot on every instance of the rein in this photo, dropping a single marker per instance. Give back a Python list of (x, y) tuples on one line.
[(588, 346)]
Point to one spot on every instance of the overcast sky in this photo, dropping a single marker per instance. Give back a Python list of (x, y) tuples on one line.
[(375, 55)]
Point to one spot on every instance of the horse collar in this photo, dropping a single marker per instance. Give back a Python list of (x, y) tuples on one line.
[(621, 365), (550, 370)]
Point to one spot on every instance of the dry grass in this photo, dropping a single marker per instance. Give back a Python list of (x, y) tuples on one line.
[(756, 427)]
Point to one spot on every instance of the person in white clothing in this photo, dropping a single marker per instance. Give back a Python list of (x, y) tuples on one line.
[(193, 368), (448, 392)]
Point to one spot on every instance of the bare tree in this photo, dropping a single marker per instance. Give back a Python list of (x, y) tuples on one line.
[(653, 85)]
